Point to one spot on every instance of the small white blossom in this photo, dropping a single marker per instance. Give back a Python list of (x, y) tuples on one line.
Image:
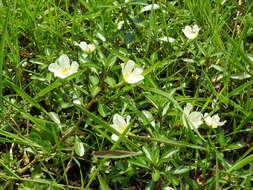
[(130, 73), (213, 121), (62, 68), (76, 100), (119, 124), (191, 32), (88, 48), (192, 119)]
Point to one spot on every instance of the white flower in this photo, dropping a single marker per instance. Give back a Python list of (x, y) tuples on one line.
[(119, 124), (213, 121), (76, 100), (191, 32), (192, 119), (62, 68), (88, 48), (130, 74)]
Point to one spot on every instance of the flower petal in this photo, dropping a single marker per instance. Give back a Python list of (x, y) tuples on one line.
[(207, 119), (221, 123), (131, 78), (195, 119), (60, 75), (216, 119), (74, 67), (128, 118), (195, 28), (128, 67), (187, 109), (137, 71), (191, 32), (119, 122), (114, 137), (63, 61), (54, 67), (83, 46), (91, 47)]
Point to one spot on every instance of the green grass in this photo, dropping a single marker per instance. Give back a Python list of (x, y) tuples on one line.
[(47, 142)]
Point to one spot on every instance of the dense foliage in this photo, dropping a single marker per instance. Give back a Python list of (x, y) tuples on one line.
[(127, 94)]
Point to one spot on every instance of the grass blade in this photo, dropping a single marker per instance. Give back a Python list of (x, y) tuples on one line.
[(2, 45), (98, 120), (28, 98), (115, 154), (54, 85), (241, 163)]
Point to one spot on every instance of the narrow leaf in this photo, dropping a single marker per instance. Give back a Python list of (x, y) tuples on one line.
[(2, 44), (241, 163), (98, 120), (103, 184), (54, 85), (115, 154), (24, 95)]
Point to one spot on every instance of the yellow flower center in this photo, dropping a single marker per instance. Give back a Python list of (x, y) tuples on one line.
[(122, 129), (65, 71), (89, 51), (125, 75)]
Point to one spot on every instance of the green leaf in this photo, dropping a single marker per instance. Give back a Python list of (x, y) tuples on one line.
[(79, 148), (147, 152), (235, 146), (103, 184), (155, 175), (241, 163), (167, 95), (239, 89), (103, 110), (22, 139), (98, 120), (171, 142), (238, 48), (24, 95), (8, 169), (55, 117), (182, 169), (115, 154), (54, 85), (2, 45), (140, 163)]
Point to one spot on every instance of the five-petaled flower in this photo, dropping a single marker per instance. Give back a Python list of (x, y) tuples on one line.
[(119, 124), (213, 121), (62, 68), (130, 73), (88, 48), (192, 119), (191, 32)]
